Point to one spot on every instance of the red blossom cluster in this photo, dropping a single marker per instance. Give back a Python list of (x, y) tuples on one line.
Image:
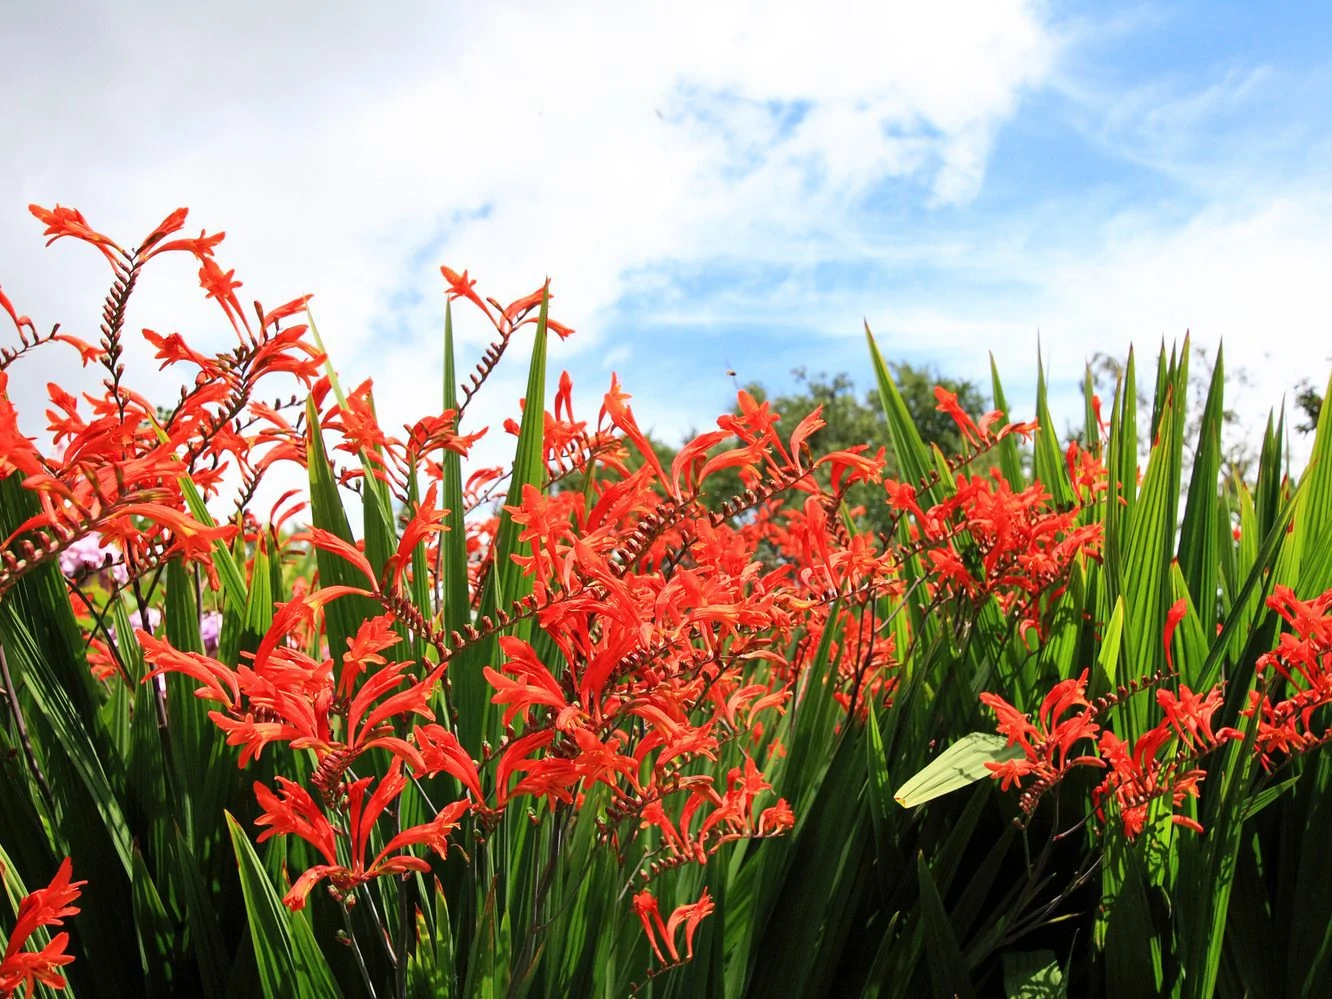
[(691, 914), (986, 541), (22, 970), (661, 639), (1303, 661), (122, 463), (1162, 763)]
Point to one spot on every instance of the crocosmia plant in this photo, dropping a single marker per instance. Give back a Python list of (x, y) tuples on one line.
[(579, 726)]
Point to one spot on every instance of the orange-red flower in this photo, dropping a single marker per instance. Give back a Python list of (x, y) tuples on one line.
[(461, 287), (61, 222), (221, 286), (690, 915), (25, 969), (19, 321), (1049, 742), (294, 812)]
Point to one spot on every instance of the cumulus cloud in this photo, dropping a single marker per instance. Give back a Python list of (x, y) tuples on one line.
[(349, 150)]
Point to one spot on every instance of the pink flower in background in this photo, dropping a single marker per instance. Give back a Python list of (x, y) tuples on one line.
[(136, 621), (154, 620), (210, 630), (88, 555)]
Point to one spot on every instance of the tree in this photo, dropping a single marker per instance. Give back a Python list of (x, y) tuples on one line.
[(1310, 402)]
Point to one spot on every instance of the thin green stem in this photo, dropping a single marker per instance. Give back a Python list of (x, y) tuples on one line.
[(356, 951)]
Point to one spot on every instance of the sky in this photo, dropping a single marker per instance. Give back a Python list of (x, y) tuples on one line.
[(711, 187)]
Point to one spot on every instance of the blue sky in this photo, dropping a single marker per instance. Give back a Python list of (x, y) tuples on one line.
[(711, 187)]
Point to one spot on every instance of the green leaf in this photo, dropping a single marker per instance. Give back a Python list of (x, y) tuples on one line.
[(156, 945), (206, 941), (1107, 662), (342, 617), (880, 787), (289, 960), (960, 764), (506, 582), (912, 455), (1199, 541), (430, 972), (1145, 567), (228, 569), (69, 734), (1033, 975), (948, 967), (1316, 514), (814, 881), (1050, 467), (453, 544), (88, 821), (1009, 461)]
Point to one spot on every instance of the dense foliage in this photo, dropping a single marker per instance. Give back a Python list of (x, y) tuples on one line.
[(577, 726)]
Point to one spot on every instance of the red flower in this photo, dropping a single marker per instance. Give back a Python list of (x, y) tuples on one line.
[(172, 349), (201, 247), (1178, 611), (645, 906), (535, 685), (19, 321), (47, 906), (1048, 745), (296, 813), (1303, 660), (460, 287), (948, 404), (1190, 715), (515, 310), (61, 222), (1138, 778), (220, 285), (289, 309), (287, 696), (442, 753), (777, 819), (615, 406)]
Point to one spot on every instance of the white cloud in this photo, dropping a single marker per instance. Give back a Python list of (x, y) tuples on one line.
[(335, 142)]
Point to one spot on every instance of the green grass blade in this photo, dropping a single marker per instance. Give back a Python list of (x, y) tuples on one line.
[(1050, 468), (456, 599), (913, 457), (506, 581), (1010, 462), (1199, 542), (948, 968), (289, 961)]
